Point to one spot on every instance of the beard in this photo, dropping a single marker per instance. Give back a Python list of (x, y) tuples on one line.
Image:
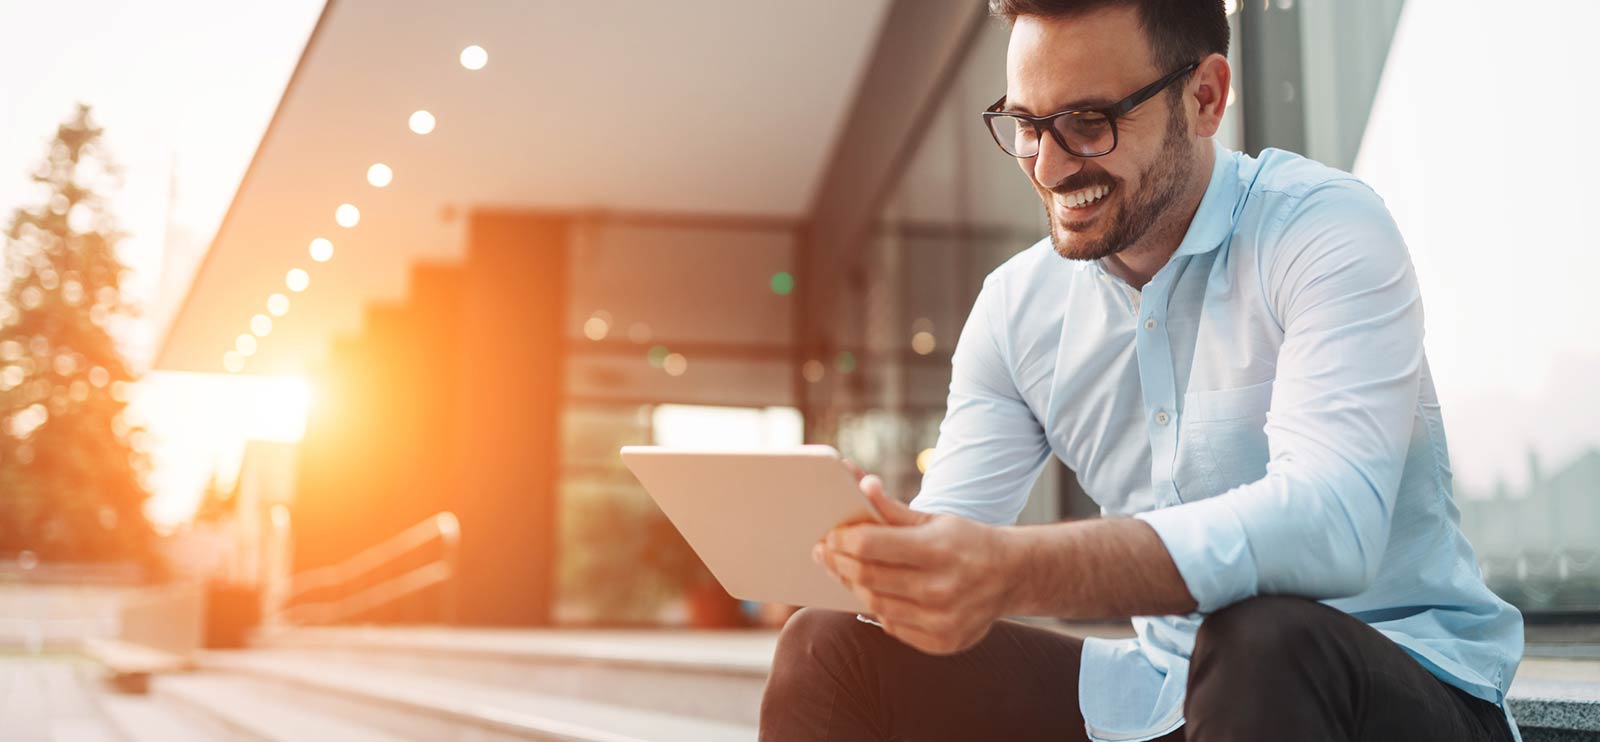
[(1162, 182)]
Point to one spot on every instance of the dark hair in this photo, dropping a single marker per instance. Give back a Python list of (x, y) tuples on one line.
[(1179, 31)]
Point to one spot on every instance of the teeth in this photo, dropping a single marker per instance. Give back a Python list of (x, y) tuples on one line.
[(1078, 199)]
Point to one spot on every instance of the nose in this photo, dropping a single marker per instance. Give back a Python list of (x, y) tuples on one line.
[(1054, 164)]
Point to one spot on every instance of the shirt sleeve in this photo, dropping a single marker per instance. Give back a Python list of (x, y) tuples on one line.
[(1340, 283), (991, 448)]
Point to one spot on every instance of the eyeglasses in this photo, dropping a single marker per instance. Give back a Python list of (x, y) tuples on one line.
[(1084, 132)]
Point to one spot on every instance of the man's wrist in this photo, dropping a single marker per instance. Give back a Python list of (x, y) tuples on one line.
[(1019, 567)]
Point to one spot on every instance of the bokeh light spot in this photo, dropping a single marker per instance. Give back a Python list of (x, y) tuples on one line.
[(782, 283), (422, 122), (380, 175), (321, 250), (474, 57), (347, 215), (675, 364), (845, 362)]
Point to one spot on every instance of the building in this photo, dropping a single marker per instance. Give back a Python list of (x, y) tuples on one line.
[(768, 206)]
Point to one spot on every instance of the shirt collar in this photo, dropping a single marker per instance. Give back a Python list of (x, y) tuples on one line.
[(1213, 220)]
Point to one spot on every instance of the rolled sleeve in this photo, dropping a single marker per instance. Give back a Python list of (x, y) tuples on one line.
[(1208, 544)]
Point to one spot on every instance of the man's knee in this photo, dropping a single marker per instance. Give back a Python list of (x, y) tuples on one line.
[(815, 636), (1262, 640)]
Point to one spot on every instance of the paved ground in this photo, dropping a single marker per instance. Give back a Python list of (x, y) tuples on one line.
[(50, 698)]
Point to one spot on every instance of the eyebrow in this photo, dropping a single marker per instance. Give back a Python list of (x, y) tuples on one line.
[(1095, 102)]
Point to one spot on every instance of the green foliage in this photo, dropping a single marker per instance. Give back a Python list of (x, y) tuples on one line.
[(70, 480)]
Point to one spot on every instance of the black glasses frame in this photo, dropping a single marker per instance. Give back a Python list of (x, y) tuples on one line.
[(1111, 113)]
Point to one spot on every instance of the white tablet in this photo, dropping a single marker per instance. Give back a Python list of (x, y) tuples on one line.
[(753, 517)]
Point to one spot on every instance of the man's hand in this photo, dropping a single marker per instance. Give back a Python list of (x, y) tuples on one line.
[(936, 582)]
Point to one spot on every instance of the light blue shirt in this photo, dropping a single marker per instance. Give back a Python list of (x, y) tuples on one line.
[(1263, 403)]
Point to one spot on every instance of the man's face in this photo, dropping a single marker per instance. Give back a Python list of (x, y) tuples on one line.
[(1088, 60)]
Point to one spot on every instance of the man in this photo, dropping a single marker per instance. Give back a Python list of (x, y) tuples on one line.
[(1228, 350)]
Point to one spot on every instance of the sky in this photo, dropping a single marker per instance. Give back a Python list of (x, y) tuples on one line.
[(184, 90)]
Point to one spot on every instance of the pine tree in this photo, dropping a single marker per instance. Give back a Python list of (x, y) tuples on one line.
[(71, 483)]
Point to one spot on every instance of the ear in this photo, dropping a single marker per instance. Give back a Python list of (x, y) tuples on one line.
[(1208, 88)]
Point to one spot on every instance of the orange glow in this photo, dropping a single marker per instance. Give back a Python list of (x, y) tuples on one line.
[(199, 424)]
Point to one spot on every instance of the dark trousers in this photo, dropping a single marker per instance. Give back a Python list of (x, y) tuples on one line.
[(1269, 668)]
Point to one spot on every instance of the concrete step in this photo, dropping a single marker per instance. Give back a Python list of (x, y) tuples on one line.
[(147, 718), (701, 674), (1557, 700), (420, 705), (244, 712)]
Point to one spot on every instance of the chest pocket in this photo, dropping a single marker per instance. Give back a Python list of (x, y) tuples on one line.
[(1222, 440)]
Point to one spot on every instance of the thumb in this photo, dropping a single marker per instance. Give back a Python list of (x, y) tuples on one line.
[(892, 511)]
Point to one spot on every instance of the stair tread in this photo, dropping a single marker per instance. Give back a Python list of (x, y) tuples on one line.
[(237, 704), (519, 711), (745, 652), (143, 718)]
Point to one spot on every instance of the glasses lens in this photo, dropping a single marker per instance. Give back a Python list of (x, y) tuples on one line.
[(1018, 138), (1086, 134)]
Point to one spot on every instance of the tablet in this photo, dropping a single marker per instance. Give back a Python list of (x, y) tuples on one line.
[(753, 517)]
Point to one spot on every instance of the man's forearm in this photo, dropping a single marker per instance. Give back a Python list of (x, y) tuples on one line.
[(1103, 568)]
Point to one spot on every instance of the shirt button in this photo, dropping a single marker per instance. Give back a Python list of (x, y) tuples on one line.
[(1162, 418), (1150, 324)]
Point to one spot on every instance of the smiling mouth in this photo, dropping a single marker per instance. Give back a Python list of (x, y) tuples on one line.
[(1083, 198)]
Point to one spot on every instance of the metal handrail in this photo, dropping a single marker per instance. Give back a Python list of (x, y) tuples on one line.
[(442, 526)]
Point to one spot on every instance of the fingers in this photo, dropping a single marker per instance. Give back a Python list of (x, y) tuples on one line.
[(855, 471), (898, 582), (892, 511), (896, 545)]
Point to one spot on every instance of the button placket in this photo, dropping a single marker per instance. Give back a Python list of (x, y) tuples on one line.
[(1158, 383)]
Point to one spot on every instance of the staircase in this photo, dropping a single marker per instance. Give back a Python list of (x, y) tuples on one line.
[(367, 684), (461, 684)]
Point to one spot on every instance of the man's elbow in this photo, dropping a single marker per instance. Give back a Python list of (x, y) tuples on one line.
[(1336, 555)]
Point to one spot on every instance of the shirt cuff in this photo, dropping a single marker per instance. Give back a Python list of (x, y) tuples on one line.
[(1208, 544)]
